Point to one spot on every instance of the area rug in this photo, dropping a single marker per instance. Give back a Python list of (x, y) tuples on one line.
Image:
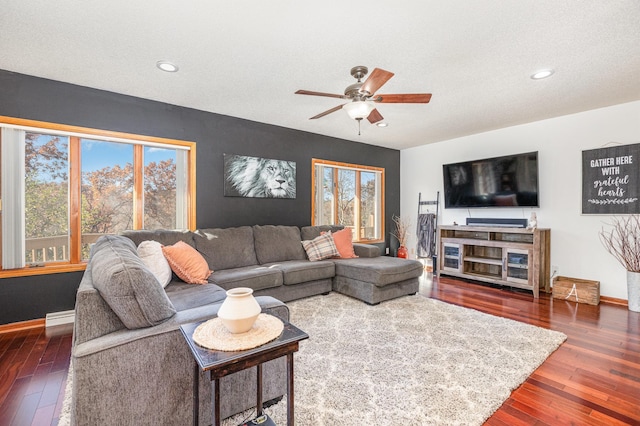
[(408, 361)]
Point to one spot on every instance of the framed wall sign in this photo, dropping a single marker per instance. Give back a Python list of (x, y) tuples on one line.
[(611, 180), (258, 177)]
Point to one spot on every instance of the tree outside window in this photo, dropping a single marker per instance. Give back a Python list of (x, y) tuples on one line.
[(46, 198)]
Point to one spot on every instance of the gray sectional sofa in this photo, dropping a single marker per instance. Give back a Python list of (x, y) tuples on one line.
[(129, 358)]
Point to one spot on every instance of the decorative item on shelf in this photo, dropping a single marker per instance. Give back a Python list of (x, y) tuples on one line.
[(239, 310), (533, 222), (623, 242), (401, 233)]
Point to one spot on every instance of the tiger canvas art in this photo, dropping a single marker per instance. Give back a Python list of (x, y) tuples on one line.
[(259, 177)]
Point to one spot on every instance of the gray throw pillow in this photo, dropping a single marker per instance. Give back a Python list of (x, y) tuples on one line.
[(127, 285)]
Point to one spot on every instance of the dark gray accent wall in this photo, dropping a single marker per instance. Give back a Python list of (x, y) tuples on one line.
[(28, 97)]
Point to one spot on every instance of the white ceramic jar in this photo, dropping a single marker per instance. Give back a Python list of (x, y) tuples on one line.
[(239, 310)]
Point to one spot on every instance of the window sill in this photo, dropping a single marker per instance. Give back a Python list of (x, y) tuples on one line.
[(42, 270), (369, 241)]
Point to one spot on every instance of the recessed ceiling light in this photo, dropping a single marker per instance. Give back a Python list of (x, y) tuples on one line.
[(539, 75), (382, 124), (167, 66)]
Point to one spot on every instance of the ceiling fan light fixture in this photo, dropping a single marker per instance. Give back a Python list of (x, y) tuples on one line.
[(358, 110)]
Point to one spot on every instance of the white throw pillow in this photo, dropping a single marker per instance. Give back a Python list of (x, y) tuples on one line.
[(151, 254)]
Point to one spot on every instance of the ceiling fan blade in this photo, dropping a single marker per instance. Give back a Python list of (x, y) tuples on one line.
[(376, 79), (327, 112), (407, 98), (330, 95), (375, 116)]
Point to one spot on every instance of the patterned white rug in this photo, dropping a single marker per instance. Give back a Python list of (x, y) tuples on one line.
[(408, 361)]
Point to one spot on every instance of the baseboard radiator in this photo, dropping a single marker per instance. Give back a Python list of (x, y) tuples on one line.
[(60, 318)]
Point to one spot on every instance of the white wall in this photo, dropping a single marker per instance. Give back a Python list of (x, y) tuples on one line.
[(575, 244)]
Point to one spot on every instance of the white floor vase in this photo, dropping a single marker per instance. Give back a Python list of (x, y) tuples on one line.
[(633, 291)]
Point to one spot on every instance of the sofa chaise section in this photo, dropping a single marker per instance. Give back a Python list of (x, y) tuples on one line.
[(370, 277)]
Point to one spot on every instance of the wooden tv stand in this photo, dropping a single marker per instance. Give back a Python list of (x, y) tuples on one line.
[(514, 257)]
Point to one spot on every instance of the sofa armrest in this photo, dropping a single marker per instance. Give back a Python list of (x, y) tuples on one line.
[(366, 250), (273, 306), (112, 340)]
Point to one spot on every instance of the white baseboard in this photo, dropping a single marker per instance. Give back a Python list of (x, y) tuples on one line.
[(60, 318)]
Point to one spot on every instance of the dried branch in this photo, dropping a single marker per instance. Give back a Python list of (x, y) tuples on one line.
[(402, 229), (623, 241)]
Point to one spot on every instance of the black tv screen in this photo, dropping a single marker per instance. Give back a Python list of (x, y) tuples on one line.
[(509, 181)]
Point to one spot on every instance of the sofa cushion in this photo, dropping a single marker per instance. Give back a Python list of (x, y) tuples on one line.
[(187, 263), (226, 248), (255, 277), (302, 271), (311, 232), (379, 271), (277, 243), (163, 236), (366, 250), (150, 253), (186, 296), (321, 247), (127, 285)]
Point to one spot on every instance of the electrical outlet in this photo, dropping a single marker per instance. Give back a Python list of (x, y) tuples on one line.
[(386, 250), (413, 251), (554, 270)]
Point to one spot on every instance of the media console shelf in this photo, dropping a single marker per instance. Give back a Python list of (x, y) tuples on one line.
[(514, 257)]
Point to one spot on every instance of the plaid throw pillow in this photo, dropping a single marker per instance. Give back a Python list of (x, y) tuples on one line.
[(321, 247)]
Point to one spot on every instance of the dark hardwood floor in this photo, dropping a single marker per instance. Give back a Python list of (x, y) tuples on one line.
[(33, 372), (592, 379)]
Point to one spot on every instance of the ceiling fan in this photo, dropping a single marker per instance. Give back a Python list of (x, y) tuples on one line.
[(363, 96)]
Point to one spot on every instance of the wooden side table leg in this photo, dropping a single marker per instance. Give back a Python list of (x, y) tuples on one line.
[(216, 403), (290, 420), (196, 394)]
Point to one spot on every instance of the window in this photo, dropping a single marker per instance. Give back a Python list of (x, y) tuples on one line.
[(63, 187), (106, 189), (46, 194), (350, 195)]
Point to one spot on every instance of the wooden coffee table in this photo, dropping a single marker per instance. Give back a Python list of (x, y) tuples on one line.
[(222, 363)]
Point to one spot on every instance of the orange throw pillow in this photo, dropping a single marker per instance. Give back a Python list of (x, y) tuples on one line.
[(343, 240), (187, 263)]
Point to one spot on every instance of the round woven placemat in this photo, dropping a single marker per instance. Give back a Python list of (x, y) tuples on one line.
[(213, 334)]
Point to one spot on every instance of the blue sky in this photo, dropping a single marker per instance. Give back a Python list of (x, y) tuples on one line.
[(99, 154)]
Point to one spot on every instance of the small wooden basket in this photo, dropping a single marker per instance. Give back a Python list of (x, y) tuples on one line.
[(576, 290)]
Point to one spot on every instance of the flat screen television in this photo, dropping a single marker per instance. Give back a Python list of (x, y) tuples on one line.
[(509, 181)]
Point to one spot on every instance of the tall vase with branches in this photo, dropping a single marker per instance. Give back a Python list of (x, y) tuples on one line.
[(402, 233), (622, 240)]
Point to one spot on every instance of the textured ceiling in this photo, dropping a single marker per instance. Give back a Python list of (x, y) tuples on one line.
[(247, 58)]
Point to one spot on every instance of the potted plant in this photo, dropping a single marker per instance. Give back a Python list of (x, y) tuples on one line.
[(623, 242), (402, 233)]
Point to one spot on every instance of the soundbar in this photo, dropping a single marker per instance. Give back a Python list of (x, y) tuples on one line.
[(499, 222)]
